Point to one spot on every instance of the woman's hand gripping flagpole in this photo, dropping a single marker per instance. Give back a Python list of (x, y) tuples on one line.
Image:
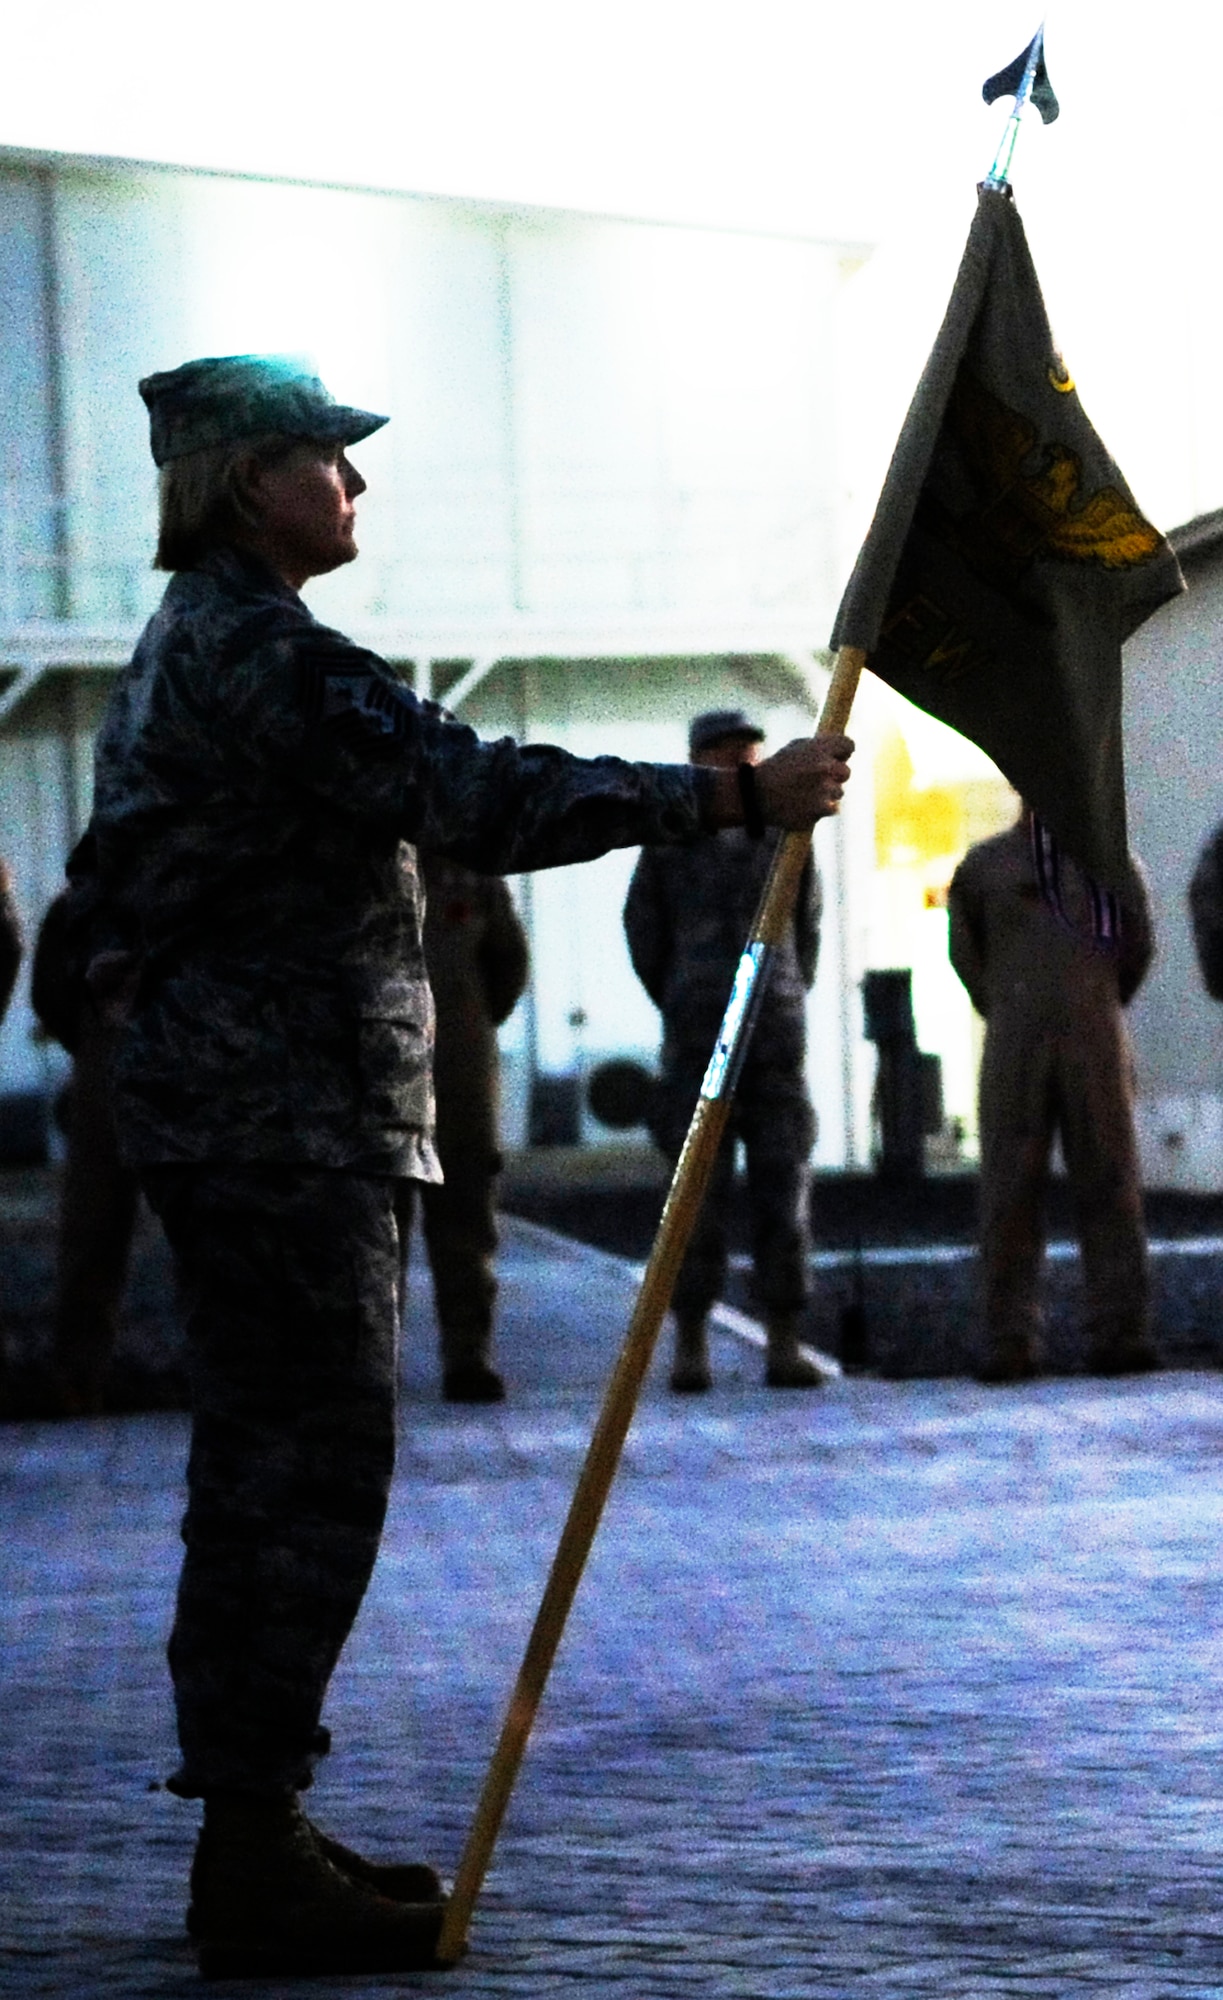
[(679, 1216)]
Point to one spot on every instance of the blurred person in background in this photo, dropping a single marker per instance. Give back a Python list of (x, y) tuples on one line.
[(477, 961), (98, 1189), (1057, 1062), (686, 918)]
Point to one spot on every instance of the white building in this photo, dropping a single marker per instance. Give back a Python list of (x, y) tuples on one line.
[(610, 496), (607, 498), (1174, 754)]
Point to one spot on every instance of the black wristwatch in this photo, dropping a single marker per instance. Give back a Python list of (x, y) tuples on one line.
[(749, 793)]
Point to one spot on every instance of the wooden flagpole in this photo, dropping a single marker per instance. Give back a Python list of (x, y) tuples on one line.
[(683, 1205)]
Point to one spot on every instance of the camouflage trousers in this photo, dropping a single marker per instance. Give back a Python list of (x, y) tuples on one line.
[(773, 1117), (290, 1281)]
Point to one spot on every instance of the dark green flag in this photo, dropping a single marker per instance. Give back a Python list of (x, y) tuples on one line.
[(1007, 560)]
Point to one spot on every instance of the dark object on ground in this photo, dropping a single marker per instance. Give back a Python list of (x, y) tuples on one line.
[(908, 1088), (621, 1094), (555, 1113), (855, 1342), (855, 1335)]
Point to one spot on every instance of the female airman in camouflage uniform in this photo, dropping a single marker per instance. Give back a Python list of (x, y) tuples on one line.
[(260, 785)]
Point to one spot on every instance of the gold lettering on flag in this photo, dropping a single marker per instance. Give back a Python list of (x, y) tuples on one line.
[(923, 633)]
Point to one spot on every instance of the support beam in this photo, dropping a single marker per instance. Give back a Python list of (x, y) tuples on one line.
[(468, 682), (24, 679), (814, 665)]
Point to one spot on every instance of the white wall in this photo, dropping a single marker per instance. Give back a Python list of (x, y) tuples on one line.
[(28, 472), (593, 421), (1174, 753), (590, 417), (45, 787)]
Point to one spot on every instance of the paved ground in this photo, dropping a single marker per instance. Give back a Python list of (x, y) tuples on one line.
[(903, 1688), (904, 1251)]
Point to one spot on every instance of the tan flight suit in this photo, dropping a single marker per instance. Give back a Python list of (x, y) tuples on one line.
[(476, 954), (1057, 1060)]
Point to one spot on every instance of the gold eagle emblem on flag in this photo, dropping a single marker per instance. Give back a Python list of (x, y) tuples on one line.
[(1026, 511)]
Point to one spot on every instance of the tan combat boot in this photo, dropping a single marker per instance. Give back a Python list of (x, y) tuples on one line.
[(786, 1365), (267, 1901), (690, 1371)]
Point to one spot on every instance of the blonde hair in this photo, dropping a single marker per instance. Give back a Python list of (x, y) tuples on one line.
[(201, 504)]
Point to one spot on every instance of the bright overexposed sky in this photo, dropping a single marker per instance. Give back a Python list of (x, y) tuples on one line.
[(861, 121)]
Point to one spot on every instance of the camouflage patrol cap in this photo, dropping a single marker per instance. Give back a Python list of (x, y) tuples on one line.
[(222, 399), (716, 725)]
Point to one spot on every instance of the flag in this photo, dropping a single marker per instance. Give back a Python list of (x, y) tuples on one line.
[(1008, 561)]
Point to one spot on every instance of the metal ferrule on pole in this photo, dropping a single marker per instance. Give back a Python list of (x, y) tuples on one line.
[(683, 1205), (739, 1020)]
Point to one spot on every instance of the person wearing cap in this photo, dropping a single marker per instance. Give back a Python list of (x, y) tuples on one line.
[(261, 784), (687, 915)]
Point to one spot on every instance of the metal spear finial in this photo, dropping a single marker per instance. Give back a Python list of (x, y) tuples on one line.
[(1025, 78)]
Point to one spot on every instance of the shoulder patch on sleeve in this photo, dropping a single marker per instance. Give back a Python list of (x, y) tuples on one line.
[(350, 688)]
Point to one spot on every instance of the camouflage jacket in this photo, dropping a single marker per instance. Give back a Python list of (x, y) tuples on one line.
[(258, 782), (687, 917)]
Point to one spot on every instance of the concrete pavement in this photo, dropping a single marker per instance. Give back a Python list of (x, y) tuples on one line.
[(896, 1689), (905, 1249)]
